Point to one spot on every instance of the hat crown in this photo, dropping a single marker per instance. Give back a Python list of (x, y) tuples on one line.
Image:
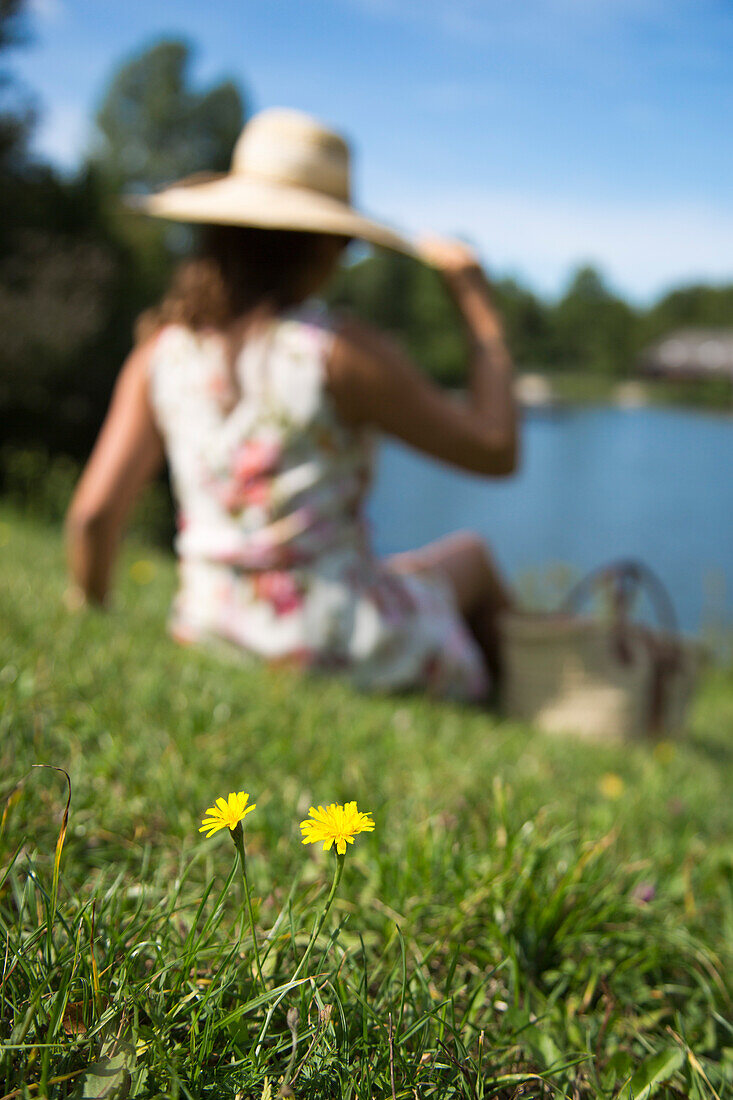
[(291, 148)]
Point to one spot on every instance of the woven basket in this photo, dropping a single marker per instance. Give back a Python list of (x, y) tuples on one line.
[(601, 678)]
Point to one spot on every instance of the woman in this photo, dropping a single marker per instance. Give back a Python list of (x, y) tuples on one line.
[(266, 412)]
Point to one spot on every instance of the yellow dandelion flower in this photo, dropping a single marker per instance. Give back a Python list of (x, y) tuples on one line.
[(611, 785), (143, 571), (226, 813), (335, 825)]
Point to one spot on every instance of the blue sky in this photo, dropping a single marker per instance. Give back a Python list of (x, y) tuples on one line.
[(549, 132)]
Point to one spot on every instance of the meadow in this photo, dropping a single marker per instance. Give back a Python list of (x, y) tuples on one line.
[(531, 916)]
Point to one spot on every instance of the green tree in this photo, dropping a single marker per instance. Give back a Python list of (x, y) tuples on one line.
[(375, 288), (75, 269), (527, 324), (154, 127), (689, 307), (16, 113), (435, 330), (592, 328)]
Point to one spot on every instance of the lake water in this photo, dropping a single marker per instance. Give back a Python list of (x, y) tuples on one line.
[(594, 484)]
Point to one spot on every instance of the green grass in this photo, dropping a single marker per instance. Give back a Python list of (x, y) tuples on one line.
[(490, 938)]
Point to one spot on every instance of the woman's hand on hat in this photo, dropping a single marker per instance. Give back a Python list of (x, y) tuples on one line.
[(461, 268), (451, 257)]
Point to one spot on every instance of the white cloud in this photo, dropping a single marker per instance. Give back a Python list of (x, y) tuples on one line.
[(642, 246)]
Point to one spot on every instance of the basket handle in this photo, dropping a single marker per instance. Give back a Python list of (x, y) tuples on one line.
[(624, 579)]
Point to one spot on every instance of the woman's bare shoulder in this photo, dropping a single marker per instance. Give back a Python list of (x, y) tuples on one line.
[(140, 356), (360, 364)]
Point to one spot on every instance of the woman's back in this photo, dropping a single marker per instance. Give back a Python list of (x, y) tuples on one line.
[(265, 473)]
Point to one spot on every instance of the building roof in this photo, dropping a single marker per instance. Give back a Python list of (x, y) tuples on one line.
[(691, 353)]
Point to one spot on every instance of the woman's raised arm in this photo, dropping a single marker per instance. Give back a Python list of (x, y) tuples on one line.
[(373, 380), (127, 454)]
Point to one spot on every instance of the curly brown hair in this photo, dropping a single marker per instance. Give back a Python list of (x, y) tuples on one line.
[(237, 268)]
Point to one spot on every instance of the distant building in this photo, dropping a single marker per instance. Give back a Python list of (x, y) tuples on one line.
[(691, 354)]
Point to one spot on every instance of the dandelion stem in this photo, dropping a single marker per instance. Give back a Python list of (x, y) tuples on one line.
[(309, 949), (238, 838), (319, 924)]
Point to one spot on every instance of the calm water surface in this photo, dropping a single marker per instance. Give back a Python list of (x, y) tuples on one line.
[(594, 484)]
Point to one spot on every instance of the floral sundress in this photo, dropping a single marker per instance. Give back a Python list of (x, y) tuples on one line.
[(273, 547)]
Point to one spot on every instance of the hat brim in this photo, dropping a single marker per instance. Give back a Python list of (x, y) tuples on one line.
[(243, 200)]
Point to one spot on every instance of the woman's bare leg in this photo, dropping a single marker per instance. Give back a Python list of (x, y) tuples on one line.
[(481, 593)]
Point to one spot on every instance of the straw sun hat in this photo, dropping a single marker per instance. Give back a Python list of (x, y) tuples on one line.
[(288, 172)]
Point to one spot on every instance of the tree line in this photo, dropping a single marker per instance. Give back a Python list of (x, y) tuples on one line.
[(76, 269)]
